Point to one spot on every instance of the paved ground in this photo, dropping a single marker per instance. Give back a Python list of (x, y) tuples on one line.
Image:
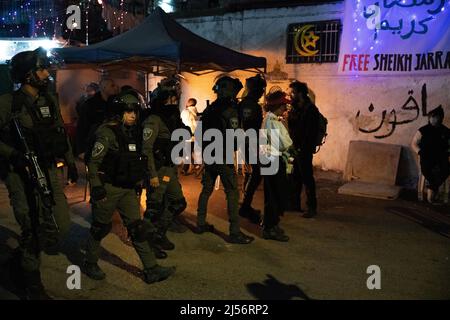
[(326, 258)]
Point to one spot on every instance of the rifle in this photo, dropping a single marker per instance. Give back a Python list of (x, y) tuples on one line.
[(37, 176)]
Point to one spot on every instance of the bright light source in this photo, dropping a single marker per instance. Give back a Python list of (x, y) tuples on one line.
[(167, 6), (10, 47), (100, 2)]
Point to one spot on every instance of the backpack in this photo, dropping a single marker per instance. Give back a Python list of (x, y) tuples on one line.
[(322, 123)]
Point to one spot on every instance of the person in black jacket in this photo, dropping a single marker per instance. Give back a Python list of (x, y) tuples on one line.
[(432, 144), (303, 122), (93, 112), (251, 117)]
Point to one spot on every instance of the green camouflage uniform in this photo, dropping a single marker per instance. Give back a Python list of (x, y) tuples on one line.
[(26, 204), (123, 197), (167, 200), (221, 114)]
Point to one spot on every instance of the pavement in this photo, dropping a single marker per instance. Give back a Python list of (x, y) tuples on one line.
[(327, 257)]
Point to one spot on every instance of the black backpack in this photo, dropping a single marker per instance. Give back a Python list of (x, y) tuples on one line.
[(322, 123)]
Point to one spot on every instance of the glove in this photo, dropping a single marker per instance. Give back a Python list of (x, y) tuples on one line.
[(98, 193), (72, 173), (18, 160)]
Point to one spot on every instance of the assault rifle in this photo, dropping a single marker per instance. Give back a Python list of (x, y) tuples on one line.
[(37, 176)]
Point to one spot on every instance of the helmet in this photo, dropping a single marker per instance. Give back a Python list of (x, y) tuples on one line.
[(169, 87), (223, 82), (126, 101), (23, 67), (255, 83)]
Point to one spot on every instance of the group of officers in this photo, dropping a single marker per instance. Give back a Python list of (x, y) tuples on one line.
[(129, 151)]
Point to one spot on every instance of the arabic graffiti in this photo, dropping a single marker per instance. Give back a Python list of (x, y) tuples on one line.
[(410, 104), (372, 14)]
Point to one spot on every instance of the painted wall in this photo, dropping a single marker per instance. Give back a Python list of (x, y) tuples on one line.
[(262, 32)]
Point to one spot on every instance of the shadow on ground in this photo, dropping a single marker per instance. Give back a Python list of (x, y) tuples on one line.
[(273, 289), (431, 221), (72, 247)]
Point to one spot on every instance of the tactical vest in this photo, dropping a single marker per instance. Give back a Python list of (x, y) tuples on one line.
[(47, 137), (162, 147), (126, 166)]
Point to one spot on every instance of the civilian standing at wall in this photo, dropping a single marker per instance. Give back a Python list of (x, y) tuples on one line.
[(303, 123), (432, 143)]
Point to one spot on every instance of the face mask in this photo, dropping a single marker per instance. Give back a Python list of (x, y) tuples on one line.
[(434, 121), (40, 84)]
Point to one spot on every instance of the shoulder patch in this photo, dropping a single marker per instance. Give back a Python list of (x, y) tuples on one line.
[(234, 122), (147, 133), (97, 149)]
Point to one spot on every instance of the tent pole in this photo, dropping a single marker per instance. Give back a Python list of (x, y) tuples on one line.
[(146, 89)]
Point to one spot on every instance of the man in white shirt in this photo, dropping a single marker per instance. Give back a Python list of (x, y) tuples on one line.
[(190, 117), (279, 142)]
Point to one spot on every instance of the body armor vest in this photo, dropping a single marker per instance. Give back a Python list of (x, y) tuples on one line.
[(126, 166), (46, 137)]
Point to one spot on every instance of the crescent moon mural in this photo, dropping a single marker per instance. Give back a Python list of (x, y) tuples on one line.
[(305, 42)]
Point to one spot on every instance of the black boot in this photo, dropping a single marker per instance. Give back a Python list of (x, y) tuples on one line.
[(161, 241), (240, 238), (204, 228), (310, 214), (275, 233), (34, 289), (176, 226), (251, 214), (157, 273), (93, 271), (159, 253)]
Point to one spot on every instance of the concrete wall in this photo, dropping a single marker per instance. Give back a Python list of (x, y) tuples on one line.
[(262, 32)]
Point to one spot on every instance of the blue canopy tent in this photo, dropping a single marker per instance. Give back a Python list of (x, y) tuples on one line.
[(160, 45)]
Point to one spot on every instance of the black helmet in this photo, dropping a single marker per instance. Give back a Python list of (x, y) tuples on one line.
[(168, 87), (24, 65), (126, 101), (256, 82), (221, 83)]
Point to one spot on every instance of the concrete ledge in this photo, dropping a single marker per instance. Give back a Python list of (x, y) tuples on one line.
[(370, 190)]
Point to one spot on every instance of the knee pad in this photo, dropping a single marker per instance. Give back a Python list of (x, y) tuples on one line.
[(178, 206), (100, 230), (139, 230), (154, 209)]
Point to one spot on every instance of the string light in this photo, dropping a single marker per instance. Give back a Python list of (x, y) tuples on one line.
[(87, 22)]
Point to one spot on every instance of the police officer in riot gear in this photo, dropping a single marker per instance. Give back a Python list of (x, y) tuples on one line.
[(116, 170), (251, 117), (32, 140), (165, 199), (222, 114)]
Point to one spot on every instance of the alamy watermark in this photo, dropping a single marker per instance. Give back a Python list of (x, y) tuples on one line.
[(263, 147), (374, 280)]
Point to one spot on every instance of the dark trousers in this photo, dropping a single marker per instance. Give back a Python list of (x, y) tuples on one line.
[(275, 196), (251, 185), (229, 181), (435, 170), (303, 175)]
